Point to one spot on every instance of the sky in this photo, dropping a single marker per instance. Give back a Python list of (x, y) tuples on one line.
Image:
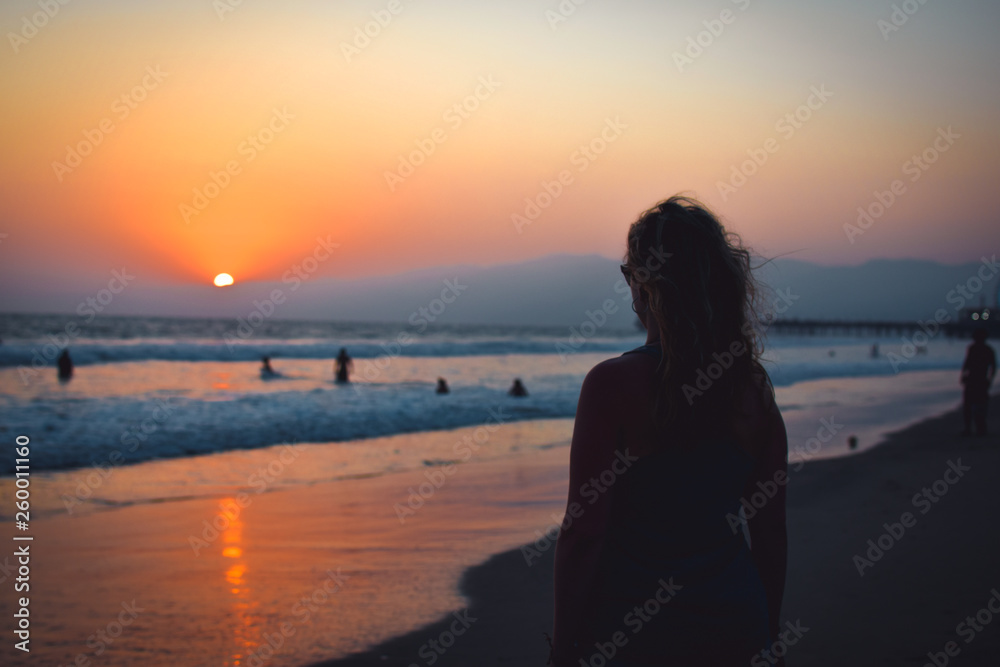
[(182, 139)]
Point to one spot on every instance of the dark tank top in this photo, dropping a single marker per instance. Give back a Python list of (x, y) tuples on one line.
[(673, 540)]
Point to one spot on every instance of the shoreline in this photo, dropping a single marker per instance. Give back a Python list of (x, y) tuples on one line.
[(867, 407), (459, 551), (312, 570), (909, 601)]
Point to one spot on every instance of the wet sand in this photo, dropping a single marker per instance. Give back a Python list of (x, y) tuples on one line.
[(911, 602), (302, 574), (320, 569)]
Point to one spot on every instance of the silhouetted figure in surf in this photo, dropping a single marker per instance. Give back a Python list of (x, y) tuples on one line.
[(442, 387), (343, 366), (65, 366), (978, 371), (517, 389), (875, 351), (675, 461), (265, 368)]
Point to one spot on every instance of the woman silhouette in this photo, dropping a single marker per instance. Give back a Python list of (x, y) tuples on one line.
[(652, 566)]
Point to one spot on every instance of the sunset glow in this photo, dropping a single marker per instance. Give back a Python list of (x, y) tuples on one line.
[(321, 320), (202, 133)]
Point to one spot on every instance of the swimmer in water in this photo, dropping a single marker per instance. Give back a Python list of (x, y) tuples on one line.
[(65, 366), (343, 366)]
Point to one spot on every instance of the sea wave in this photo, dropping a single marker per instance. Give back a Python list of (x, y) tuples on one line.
[(44, 354)]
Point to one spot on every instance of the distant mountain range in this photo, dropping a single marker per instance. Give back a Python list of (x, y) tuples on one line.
[(557, 290)]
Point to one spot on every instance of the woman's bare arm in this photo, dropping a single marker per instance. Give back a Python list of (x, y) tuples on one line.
[(768, 535), (595, 437)]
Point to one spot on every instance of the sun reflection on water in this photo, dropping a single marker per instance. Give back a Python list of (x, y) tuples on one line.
[(245, 630)]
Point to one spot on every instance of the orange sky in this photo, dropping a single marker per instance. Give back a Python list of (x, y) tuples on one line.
[(198, 87)]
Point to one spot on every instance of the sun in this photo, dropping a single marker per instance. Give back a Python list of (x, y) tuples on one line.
[(223, 280)]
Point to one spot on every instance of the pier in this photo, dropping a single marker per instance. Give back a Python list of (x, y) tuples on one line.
[(956, 327)]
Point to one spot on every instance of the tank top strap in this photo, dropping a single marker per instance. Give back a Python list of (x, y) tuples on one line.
[(652, 350)]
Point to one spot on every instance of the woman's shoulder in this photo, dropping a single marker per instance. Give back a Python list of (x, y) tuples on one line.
[(623, 371), (756, 395), (620, 388)]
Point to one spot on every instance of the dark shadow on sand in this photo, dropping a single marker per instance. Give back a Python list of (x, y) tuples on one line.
[(512, 604)]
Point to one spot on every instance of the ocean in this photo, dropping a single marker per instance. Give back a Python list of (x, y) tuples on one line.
[(170, 475), (147, 388)]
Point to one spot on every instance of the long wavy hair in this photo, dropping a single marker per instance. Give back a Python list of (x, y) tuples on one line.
[(701, 294)]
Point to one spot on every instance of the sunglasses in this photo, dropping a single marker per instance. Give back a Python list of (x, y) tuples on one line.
[(627, 272)]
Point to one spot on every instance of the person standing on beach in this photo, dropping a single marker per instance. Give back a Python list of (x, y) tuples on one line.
[(651, 563), (978, 372), (343, 366), (65, 365)]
